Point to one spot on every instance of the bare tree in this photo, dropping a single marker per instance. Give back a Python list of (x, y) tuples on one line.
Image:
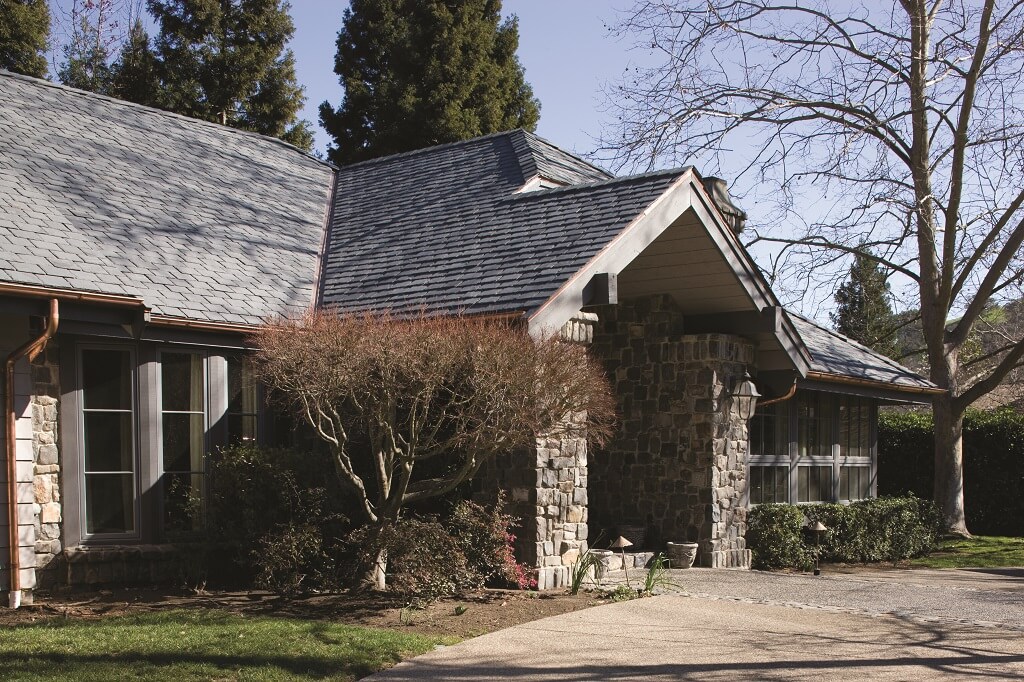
[(444, 394), (893, 130)]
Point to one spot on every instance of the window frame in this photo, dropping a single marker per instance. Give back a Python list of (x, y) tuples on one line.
[(81, 503), (147, 417), (793, 459)]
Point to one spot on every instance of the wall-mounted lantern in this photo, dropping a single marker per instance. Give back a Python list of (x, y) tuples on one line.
[(745, 394)]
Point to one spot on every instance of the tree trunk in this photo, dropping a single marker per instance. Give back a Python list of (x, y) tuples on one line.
[(378, 576), (949, 464)]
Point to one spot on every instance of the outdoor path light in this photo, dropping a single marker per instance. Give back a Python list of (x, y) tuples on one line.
[(818, 528), (745, 394), (621, 544)]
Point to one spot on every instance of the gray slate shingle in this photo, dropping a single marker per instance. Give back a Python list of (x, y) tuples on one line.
[(833, 353), (444, 229), (195, 218)]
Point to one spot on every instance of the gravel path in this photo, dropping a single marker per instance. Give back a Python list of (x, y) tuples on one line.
[(987, 599)]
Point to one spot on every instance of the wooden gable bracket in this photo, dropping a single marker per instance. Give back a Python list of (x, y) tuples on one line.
[(602, 289)]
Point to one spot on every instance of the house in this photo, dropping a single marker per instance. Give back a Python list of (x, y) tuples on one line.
[(138, 248)]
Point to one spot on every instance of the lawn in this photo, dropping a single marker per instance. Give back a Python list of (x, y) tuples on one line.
[(976, 552), (200, 645)]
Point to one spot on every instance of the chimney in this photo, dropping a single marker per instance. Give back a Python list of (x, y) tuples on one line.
[(718, 190)]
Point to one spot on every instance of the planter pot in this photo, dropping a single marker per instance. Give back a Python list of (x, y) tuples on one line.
[(605, 559), (682, 554)]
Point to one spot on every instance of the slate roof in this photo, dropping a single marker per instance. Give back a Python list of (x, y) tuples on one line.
[(837, 355), (444, 228), (199, 220)]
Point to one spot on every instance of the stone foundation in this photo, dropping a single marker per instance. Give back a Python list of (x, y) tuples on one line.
[(131, 565)]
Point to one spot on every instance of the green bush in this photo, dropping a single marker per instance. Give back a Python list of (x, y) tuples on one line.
[(424, 561), (292, 558), (883, 529), (485, 537), (993, 465), (774, 533)]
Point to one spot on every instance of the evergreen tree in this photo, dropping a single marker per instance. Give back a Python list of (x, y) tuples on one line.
[(24, 34), (134, 75), (424, 72), (863, 310), (225, 61)]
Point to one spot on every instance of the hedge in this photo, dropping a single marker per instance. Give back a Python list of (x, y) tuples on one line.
[(883, 529), (993, 465)]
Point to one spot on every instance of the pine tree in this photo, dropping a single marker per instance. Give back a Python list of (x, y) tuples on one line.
[(134, 75), (24, 34), (225, 61), (863, 309), (424, 72)]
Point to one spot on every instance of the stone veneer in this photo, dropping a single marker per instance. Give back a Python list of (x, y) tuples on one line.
[(678, 463), (36, 395), (548, 491), (46, 492)]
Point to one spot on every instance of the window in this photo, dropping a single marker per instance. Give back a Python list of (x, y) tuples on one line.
[(814, 421), (854, 427), (817, 447), (183, 438), (854, 482), (769, 432), (769, 484), (108, 441), (814, 483), (243, 408), (141, 422)]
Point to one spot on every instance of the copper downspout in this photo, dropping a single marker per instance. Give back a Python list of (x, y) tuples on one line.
[(31, 349), (789, 394)]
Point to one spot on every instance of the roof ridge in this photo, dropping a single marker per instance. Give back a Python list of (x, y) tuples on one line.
[(852, 342), (573, 155), (42, 82), (425, 150), (602, 183), (525, 156)]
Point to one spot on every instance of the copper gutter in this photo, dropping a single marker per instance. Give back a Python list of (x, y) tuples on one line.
[(789, 394), (32, 291), (871, 383), (31, 350), (186, 323)]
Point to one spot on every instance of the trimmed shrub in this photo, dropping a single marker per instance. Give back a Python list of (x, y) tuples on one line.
[(883, 529), (993, 465), (774, 533), (424, 560), (485, 537), (291, 558)]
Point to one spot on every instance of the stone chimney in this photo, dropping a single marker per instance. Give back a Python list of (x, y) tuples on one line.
[(718, 190)]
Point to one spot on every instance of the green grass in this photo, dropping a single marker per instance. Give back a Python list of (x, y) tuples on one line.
[(976, 552), (200, 645)]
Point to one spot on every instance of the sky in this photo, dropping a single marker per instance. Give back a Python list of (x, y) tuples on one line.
[(564, 46)]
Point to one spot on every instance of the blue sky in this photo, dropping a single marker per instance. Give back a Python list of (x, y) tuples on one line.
[(563, 44)]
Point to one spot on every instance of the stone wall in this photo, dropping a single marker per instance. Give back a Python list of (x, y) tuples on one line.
[(36, 394), (677, 466), (46, 493), (546, 487)]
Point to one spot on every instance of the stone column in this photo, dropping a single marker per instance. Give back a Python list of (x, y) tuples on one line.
[(712, 363), (46, 465)]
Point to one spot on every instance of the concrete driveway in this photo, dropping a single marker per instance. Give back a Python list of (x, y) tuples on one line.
[(736, 625)]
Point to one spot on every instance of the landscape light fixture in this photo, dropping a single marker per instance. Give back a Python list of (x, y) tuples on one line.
[(745, 394), (621, 544), (818, 528)]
